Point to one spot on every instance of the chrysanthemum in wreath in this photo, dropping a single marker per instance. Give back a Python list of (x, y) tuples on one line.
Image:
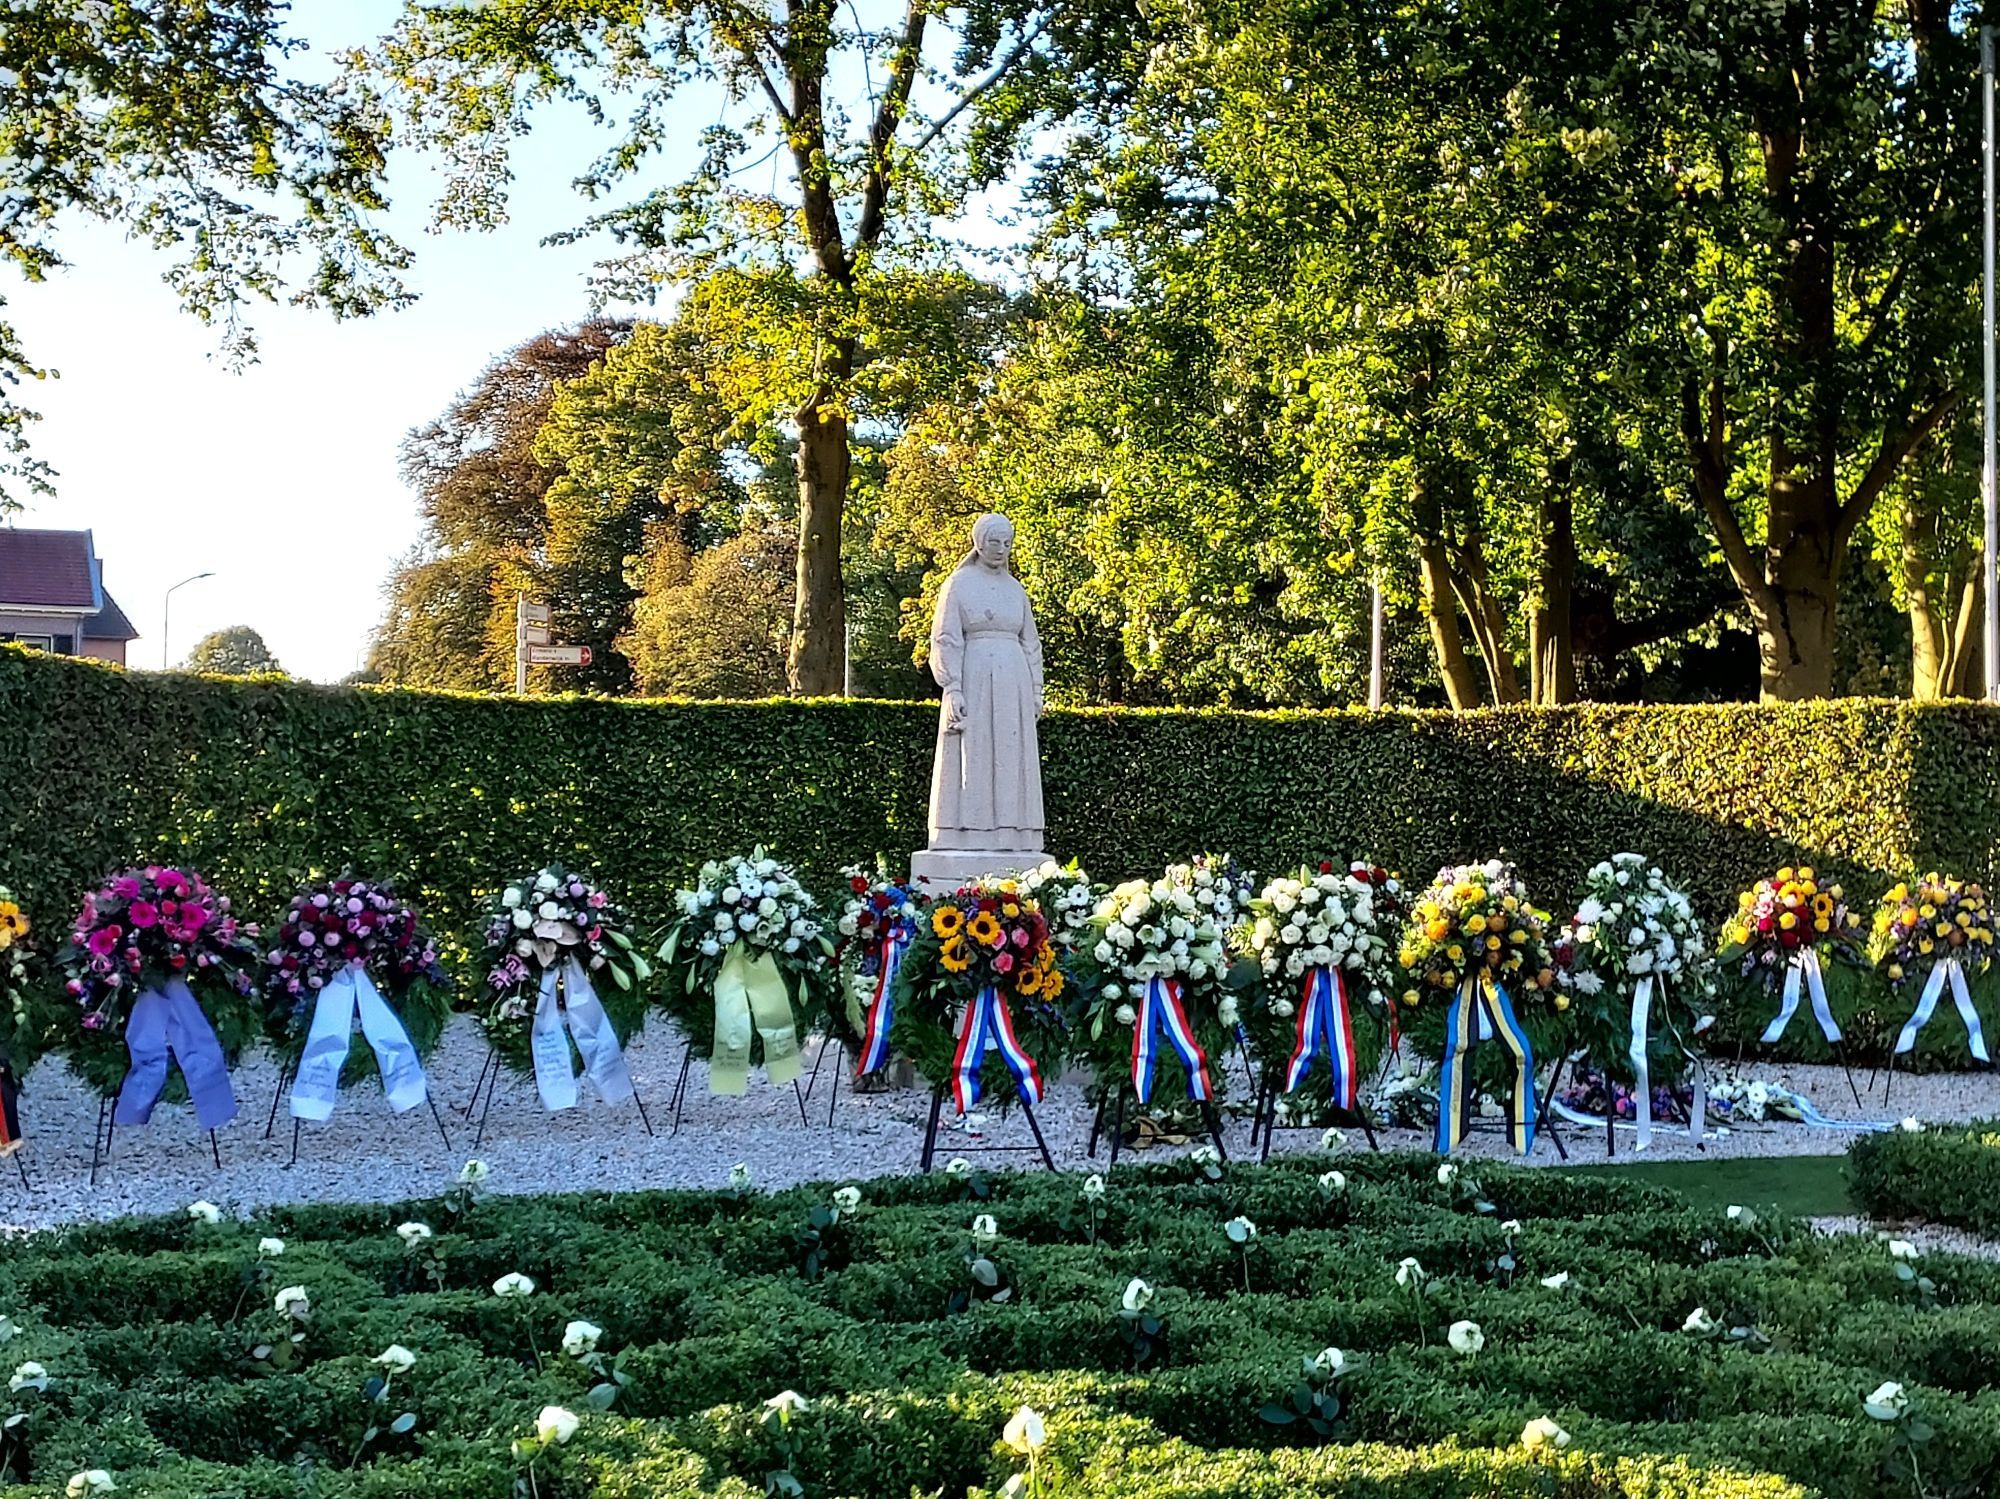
[(749, 968), (878, 921)]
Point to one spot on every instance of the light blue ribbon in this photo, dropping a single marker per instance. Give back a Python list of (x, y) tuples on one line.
[(167, 1023)]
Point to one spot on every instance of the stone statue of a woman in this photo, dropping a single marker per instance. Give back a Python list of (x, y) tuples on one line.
[(986, 784)]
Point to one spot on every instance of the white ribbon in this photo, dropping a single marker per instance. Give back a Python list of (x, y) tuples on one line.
[(1642, 1093), (1805, 962), (596, 1041), (1941, 971), (353, 994)]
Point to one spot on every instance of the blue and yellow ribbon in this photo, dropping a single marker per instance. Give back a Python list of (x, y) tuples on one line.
[(1481, 1011)]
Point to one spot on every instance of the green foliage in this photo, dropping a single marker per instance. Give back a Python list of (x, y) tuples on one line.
[(1941, 1175), (710, 1304), (237, 651), (266, 784)]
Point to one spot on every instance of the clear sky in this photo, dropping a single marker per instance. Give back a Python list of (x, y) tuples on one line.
[(282, 480)]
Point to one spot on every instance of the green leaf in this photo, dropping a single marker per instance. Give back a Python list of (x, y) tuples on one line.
[(602, 1396), (404, 1423)]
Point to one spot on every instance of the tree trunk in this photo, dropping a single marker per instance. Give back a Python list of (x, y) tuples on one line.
[(1551, 651), (818, 662), (1440, 607), (1489, 625), (1795, 641)]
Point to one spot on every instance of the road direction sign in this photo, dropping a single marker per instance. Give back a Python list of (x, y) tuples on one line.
[(534, 614), (535, 634), (559, 655)]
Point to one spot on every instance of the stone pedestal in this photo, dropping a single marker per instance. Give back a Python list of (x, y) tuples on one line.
[(941, 870)]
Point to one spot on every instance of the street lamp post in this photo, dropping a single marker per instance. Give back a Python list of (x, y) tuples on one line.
[(166, 608), (1989, 481)]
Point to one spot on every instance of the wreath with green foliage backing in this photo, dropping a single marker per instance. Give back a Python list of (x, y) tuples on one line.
[(755, 905), (875, 906), (142, 928), (352, 921), (964, 942), (538, 923), (29, 1022)]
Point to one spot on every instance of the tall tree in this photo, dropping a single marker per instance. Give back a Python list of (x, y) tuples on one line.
[(861, 192), (481, 491), (180, 123), (235, 651)]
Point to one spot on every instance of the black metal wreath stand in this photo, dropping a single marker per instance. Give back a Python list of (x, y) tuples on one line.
[(1028, 1111), (1116, 1099)]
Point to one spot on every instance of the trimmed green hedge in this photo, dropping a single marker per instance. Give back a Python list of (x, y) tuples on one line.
[(1942, 1175), (261, 783), (148, 1329)]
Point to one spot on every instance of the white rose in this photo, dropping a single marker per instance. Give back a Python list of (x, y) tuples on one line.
[(1902, 1249), (473, 1172), (510, 897), (513, 1285), (1888, 1402), (1699, 1321), (1330, 1362), (396, 1359), (739, 1177), (1138, 1295), (292, 1302), (545, 882), (270, 1248), (1557, 1281), (1542, 1432), (548, 910), (984, 1229), (28, 1376), (1409, 1273), (204, 1212), (1465, 1338), (1126, 1015), (413, 1233), (580, 1338), (847, 1199), (89, 1481), (555, 1425), (523, 918), (1025, 1431), (1332, 1182)]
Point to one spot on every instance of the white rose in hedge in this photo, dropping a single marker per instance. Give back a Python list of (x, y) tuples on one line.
[(1331, 1361), (555, 1425), (396, 1359), (1205, 1155), (1511, 1227), (270, 1249), (1911, 1126), (1138, 1295), (739, 1177), (1446, 1173), (1240, 1230), (293, 1302), (580, 1338), (984, 1229), (958, 1165), (1331, 1182), (1902, 1249), (1093, 1187), (473, 1172), (413, 1233), (1409, 1273), (1332, 1138), (89, 1481), (28, 1376), (847, 1199), (513, 1284), (787, 1404), (1542, 1432), (1889, 1402), (204, 1212), (1557, 1281), (1699, 1321), (1025, 1431), (1465, 1337)]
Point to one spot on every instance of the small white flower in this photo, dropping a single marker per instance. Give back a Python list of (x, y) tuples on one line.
[(1125, 1015), (555, 1425), (396, 1359), (1025, 1431), (1699, 1321), (1329, 1362), (1902, 1249), (1465, 1337), (1093, 1187), (1557, 1281), (1911, 1126), (1205, 1155), (1511, 1227), (89, 1481), (270, 1249), (473, 1172), (513, 1284), (984, 1229), (510, 897), (1138, 1295), (1331, 1182), (1445, 1174), (958, 1165), (739, 1177), (1742, 1215), (1332, 1139), (1240, 1230), (413, 1233), (787, 1404), (1409, 1273), (204, 1212), (1888, 1403), (292, 1302), (1542, 1432), (28, 1376), (581, 1337), (847, 1199)]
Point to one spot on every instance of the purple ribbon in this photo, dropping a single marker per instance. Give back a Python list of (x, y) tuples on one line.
[(168, 1022)]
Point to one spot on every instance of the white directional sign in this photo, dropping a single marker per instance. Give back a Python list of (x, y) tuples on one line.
[(535, 614), (559, 655), (535, 634)]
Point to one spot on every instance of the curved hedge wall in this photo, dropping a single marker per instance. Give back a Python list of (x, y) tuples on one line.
[(263, 782)]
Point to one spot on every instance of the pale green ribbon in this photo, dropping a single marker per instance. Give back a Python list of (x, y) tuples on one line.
[(750, 1000)]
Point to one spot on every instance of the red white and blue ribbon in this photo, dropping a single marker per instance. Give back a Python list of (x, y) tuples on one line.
[(1162, 1014), (1326, 1028), (881, 1010), (987, 1022)]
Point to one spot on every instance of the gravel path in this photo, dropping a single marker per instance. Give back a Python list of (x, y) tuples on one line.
[(365, 1154)]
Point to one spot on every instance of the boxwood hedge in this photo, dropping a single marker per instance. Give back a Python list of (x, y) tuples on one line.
[(261, 783), (1947, 1174), (150, 1332)]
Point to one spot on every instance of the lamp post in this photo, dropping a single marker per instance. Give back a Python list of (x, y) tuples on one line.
[(1988, 481), (166, 613)]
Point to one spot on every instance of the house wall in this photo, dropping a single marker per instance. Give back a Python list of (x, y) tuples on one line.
[(102, 650), (41, 624)]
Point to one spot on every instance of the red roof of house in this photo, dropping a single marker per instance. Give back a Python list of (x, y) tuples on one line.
[(48, 570)]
